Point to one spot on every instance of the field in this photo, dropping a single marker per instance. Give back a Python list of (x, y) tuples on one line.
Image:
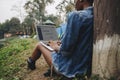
[(13, 56)]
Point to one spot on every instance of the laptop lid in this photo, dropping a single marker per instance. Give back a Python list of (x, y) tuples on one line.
[(47, 32)]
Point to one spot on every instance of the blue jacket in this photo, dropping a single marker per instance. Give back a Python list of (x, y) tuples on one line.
[(75, 55)]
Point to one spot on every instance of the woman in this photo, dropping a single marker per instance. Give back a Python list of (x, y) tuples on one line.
[(74, 55)]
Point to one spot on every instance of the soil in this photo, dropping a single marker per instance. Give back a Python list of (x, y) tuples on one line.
[(37, 74)]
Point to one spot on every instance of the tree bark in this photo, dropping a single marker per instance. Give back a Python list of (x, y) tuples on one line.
[(106, 53)]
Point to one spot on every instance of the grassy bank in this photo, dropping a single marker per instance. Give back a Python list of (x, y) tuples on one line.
[(13, 57)]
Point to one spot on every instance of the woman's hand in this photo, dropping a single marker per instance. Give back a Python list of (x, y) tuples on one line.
[(54, 44)]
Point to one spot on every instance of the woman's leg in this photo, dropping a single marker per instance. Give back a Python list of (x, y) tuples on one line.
[(39, 49), (36, 54), (46, 53)]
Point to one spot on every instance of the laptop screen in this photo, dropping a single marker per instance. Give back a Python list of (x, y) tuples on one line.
[(47, 32)]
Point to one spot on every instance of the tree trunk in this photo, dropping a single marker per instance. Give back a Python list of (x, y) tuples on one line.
[(106, 53)]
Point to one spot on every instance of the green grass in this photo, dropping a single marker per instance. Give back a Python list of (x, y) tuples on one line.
[(12, 57)]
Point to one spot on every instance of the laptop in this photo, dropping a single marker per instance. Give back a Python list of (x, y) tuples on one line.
[(46, 33)]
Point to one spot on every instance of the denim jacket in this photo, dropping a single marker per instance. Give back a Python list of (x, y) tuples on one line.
[(75, 55)]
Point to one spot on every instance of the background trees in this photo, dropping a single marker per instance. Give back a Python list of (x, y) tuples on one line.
[(65, 6), (5, 26), (36, 8), (53, 18), (28, 25), (12, 25)]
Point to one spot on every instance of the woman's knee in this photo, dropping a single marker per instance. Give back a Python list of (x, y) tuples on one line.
[(38, 45)]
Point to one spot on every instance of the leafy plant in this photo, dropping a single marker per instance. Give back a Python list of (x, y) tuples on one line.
[(11, 58)]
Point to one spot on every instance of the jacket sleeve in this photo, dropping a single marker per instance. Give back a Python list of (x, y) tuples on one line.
[(70, 37)]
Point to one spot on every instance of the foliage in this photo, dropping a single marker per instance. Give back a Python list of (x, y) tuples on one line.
[(53, 18), (1, 45), (65, 6), (5, 26), (69, 8), (10, 58), (12, 25), (29, 25), (36, 11), (36, 8)]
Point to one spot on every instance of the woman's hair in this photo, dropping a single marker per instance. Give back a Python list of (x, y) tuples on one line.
[(90, 1)]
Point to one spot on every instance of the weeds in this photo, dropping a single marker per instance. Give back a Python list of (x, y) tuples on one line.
[(11, 58)]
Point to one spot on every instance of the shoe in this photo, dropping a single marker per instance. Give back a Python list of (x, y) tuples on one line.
[(31, 64), (48, 73)]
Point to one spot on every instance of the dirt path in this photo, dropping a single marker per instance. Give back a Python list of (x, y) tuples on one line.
[(37, 74)]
